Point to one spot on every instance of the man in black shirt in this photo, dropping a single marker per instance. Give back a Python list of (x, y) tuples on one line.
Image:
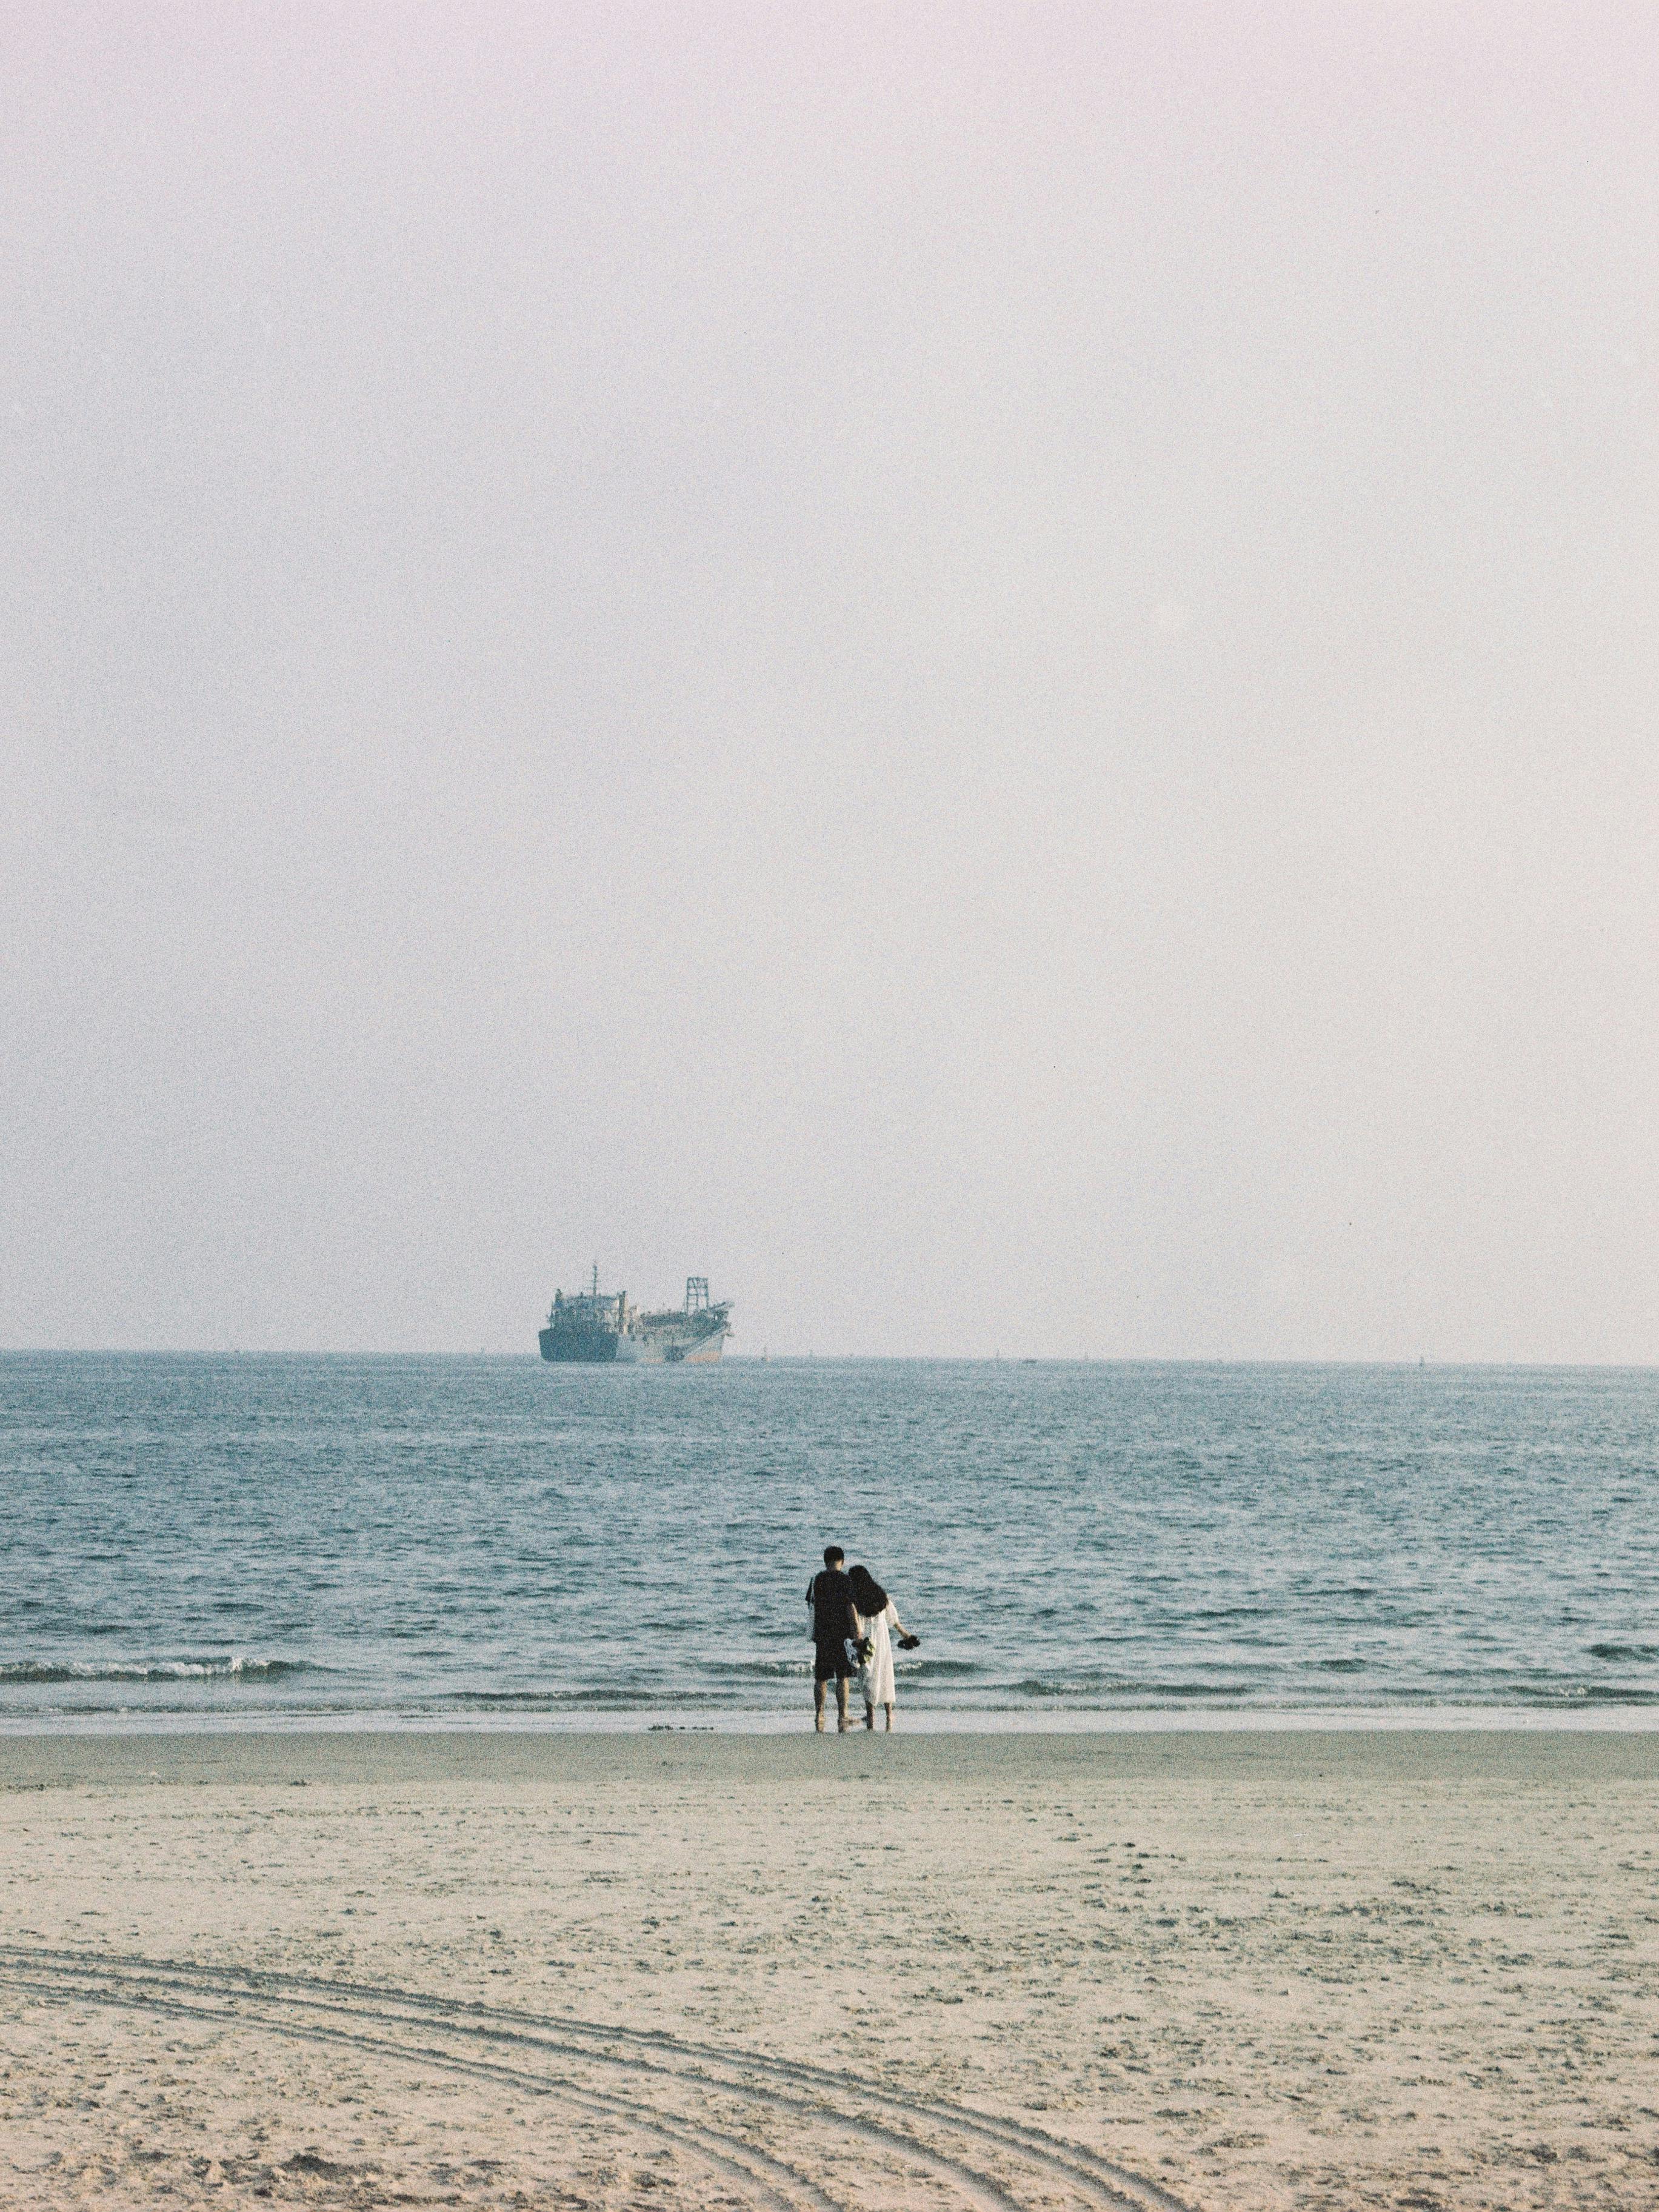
[(835, 1625)]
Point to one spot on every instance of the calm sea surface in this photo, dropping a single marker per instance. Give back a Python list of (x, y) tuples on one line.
[(287, 1538)]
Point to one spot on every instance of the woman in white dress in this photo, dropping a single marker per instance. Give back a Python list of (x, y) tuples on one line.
[(878, 1623)]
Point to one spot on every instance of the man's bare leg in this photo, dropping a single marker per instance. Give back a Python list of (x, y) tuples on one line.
[(818, 1706), (869, 1716), (841, 1703)]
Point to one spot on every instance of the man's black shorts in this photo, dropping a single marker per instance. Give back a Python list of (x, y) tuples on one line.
[(831, 1660)]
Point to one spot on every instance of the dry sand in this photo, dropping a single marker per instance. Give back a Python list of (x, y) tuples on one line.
[(1256, 1971)]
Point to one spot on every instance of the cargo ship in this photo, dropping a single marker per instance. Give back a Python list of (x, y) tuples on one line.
[(598, 1328)]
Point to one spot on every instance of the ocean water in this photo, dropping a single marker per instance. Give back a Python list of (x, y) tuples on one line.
[(288, 1540)]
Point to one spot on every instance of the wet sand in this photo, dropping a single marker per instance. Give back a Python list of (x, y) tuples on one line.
[(1232, 1970)]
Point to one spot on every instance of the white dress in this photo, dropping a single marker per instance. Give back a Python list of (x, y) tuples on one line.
[(875, 1676)]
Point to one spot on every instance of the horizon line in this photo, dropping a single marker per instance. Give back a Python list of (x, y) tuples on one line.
[(1404, 1361)]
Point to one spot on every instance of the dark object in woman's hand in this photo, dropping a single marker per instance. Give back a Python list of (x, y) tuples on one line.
[(863, 1647), (909, 1643)]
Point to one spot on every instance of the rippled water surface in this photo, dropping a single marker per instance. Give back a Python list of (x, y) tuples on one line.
[(236, 1536)]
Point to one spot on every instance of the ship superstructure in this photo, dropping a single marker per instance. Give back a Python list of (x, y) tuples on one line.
[(600, 1327)]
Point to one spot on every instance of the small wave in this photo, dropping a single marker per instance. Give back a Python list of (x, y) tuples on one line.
[(1071, 1686), (1120, 1692), (1639, 1651), (531, 1700), (557, 1699), (795, 1670), (235, 1669)]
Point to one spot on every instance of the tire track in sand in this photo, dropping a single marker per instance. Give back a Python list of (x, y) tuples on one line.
[(271, 2013), (760, 2179), (947, 2142)]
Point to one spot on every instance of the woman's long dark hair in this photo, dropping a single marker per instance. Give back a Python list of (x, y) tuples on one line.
[(868, 1595)]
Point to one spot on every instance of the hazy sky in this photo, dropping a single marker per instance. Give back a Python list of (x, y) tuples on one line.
[(987, 671)]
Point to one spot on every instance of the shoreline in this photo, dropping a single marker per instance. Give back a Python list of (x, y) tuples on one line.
[(1597, 1719), (557, 1757)]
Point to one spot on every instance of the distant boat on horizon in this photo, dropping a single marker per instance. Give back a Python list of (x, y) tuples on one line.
[(602, 1328)]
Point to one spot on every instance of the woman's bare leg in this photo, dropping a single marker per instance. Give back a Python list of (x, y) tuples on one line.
[(869, 1716), (888, 1709)]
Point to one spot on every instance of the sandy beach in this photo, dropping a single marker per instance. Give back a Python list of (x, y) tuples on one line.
[(677, 1969)]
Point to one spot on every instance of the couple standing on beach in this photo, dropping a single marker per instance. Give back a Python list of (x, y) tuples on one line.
[(852, 1613)]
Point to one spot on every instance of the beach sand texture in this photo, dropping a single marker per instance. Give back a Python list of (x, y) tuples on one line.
[(1230, 1972)]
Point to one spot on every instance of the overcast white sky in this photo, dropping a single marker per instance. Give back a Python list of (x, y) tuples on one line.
[(989, 670)]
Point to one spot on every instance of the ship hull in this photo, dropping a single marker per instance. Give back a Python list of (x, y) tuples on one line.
[(588, 1347), (602, 1347), (677, 1352)]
